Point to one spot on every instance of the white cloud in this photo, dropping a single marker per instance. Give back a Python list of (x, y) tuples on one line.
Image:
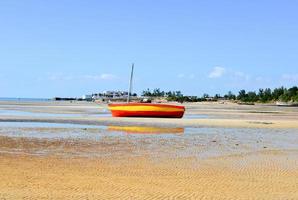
[(217, 72)]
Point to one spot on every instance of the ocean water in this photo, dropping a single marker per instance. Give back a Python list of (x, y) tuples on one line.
[(24, 99)]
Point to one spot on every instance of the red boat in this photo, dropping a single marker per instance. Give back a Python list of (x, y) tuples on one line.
[(146, 110)]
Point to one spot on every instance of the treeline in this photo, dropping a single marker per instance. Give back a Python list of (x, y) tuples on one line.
[(177, 96), (263, 95), (170, 95), (268, 95)]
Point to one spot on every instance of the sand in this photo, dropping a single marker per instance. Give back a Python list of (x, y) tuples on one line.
[(264, 177), (217, 115), (237, 152)]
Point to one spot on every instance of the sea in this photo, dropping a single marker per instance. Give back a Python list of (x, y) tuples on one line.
[(24, 99)]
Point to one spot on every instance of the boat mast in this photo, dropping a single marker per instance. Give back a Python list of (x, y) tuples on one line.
[(130, 83)]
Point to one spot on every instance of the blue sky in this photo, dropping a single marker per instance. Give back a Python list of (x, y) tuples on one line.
[(71, 48)]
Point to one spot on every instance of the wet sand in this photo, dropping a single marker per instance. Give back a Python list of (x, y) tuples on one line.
[(237, 152), (270, 176)]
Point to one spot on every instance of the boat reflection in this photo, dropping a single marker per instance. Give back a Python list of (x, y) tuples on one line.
[(146, 130)]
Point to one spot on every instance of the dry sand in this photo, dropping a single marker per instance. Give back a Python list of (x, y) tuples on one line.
[(252, 153)]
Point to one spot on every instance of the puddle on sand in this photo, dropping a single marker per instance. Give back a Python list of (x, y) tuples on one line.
[(46, 125), (77, 131), (104, 113), (195, 116), (91, 140), (48, 130), (42, 114)]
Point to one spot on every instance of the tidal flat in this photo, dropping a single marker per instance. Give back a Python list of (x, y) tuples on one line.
[(76, 150)]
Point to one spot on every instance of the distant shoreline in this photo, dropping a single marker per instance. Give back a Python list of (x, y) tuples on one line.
[(24, 99), (14, 99)]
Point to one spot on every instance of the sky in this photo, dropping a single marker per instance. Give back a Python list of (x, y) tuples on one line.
[(74, 47)]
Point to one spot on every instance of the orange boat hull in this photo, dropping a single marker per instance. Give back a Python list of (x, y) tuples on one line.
[(147, 110)]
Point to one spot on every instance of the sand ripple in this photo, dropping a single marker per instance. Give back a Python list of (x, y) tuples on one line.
[(25, 177)]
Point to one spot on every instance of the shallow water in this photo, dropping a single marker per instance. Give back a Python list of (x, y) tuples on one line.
[(44, 125), (90, 140), (43, 114), (104, 113), (195, 116), (42, 130)]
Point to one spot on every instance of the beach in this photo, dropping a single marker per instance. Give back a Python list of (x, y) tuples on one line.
[(76, 150)]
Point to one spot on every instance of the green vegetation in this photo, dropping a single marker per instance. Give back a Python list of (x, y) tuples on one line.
[(267, 95), (173, 96), (263, 95)]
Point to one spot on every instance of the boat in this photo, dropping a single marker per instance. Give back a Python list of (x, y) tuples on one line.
[(146, 110), (154, 110)]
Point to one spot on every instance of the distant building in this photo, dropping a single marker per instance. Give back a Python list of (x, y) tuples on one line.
[(115, 94), (109, 95), (87, 97)]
